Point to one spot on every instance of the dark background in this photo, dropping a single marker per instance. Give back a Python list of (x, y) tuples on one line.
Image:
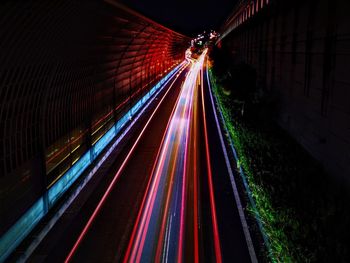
[(187, 17)]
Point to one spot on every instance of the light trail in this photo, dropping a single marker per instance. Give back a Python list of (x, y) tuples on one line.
[(161, 219), (215, 228), (115, 178)]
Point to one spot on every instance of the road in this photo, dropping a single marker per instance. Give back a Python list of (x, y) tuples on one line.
[(167, 196)]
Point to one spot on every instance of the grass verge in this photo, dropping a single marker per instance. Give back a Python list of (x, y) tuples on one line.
[(303, 213)]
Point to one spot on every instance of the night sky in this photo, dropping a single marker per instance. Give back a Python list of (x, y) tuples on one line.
[(187, 17)]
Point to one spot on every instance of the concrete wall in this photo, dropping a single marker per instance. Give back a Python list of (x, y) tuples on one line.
[(301, 50)]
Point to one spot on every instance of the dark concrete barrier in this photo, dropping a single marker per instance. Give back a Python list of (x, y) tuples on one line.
[(301, 52)]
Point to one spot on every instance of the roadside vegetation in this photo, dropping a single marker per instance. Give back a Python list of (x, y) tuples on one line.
[(304, 213)]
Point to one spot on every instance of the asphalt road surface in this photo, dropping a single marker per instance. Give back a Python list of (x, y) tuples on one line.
[(166, 195)]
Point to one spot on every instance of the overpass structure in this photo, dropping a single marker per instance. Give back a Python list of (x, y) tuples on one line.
[(300, 52)]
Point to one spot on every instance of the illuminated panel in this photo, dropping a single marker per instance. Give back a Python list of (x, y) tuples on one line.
[(63, 184), (23, 226)]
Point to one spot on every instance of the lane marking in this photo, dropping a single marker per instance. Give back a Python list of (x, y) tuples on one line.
[(247, 235)]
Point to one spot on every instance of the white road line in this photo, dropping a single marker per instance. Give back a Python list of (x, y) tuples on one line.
[(233, 183)]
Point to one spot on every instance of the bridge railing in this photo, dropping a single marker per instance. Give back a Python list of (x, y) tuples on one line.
[(244, 11)]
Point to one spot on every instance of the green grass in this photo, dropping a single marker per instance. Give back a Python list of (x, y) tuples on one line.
[(250, 144)]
